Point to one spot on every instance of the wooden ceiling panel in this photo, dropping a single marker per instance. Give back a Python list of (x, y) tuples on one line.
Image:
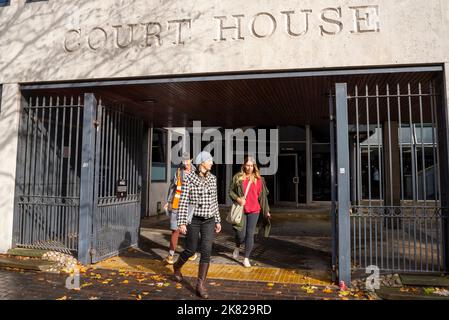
[(240, 103)]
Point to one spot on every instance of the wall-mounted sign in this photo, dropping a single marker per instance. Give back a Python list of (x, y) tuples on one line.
[(295, 23), (122, 188)]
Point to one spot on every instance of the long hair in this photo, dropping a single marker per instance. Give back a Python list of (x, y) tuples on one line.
[(256, 171)]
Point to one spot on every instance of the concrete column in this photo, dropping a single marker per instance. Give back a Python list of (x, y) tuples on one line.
[(309, 175), (344, 204), (443, 139), (9, 126)]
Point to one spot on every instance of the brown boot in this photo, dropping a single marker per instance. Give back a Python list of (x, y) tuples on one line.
[(200, 285), (177, 268)]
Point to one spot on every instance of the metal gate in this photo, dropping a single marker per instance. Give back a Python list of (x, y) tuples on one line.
[(48, 173), (118, 175), (78, 184), (397, 221)]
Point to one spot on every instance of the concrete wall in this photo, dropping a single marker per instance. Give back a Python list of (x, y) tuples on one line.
[(85, 39), (9, 124), (93, 39)]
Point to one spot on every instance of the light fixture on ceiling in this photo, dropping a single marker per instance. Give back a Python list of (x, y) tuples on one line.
[(150, 100)]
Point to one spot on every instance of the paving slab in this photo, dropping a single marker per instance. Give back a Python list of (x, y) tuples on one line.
[(36, 264), (216, 271), (424, 280), (390, 293)]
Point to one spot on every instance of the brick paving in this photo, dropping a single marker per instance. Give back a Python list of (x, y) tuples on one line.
[(297, 252), (299, 240), (120, 285)]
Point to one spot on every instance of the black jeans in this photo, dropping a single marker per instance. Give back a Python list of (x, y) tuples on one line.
[(247, 234), (205, 228)]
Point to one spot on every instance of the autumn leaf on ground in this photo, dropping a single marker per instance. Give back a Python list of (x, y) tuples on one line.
[(327, 290), (93, 298), (125, 282), (214, 284), (166, 284), (270, 284), (140, 280), (178, 286), (429, 290), (86, 284), (309, 289), (344, 293), (139, 297), (160, 284), (62, 298), (145, 293)]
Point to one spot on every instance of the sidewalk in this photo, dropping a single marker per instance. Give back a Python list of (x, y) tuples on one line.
[(113, 285), (298, 249)]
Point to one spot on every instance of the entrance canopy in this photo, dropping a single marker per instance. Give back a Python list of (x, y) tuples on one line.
[(238, 100)]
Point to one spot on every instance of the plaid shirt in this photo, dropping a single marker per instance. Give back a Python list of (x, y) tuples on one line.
[(201, 191)]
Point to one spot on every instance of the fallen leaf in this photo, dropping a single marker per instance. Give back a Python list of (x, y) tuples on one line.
[(125, 282), (93, 298), (62, 298), (178, 286), (86, 284), (139, 297), (327, 290), (429, 290), (270, 284)]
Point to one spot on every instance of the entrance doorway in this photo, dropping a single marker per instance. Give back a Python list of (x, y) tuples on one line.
[(287, 180), (245, 101)]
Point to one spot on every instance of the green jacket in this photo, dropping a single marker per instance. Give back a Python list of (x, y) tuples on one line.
[(236, 191)]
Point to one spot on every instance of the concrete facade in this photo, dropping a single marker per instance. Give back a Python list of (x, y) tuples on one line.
[(110, 39), (63, 40), (9, 126)]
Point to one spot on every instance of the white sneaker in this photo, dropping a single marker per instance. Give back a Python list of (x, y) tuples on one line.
[(236, 253), (246, 263)]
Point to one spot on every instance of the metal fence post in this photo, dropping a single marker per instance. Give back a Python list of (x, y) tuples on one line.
[(344, 238), (443, 133), (333, 188), (87, 179)]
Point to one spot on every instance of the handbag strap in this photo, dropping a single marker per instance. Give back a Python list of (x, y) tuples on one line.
[(247, 188)]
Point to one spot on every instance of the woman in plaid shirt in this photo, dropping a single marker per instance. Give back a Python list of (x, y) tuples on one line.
[(198, 218)]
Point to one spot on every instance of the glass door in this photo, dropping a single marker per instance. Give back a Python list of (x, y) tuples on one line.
[(287, 180)]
